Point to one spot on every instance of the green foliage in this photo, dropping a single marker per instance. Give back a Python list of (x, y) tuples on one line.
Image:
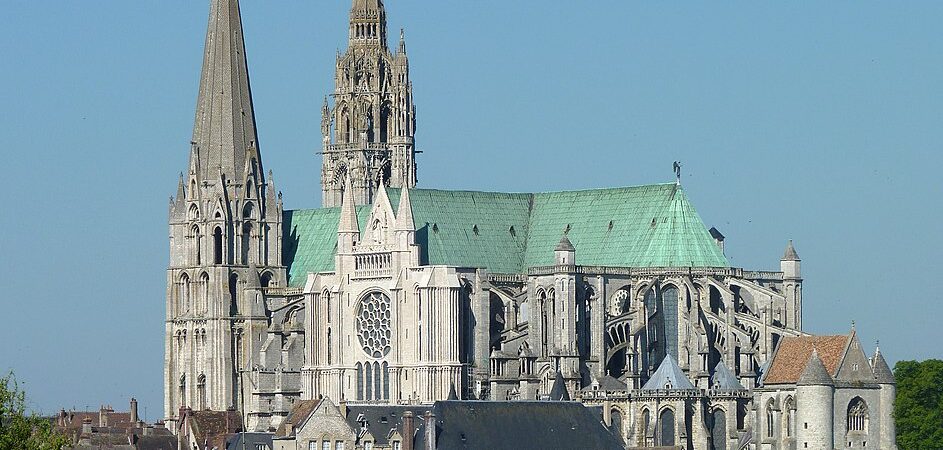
[(20, 430), (919, 406)]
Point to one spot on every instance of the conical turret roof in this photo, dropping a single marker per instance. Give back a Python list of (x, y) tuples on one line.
[(565, 245), (815, 373), (790, 254), (882, 372)]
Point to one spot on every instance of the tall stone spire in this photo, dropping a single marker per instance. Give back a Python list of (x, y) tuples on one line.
[(224, 133)]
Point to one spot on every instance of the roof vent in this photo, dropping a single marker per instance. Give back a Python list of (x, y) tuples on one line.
[(653, 222), (512, 231), (435, 228), (610, 225), (475, 230)]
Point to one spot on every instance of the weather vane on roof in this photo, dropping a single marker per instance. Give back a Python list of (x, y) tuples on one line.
[(677, 169)]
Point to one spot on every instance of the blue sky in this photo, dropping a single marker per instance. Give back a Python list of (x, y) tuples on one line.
[(820, 122)]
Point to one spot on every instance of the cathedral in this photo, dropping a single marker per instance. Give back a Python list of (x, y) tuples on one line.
[(391, 294)]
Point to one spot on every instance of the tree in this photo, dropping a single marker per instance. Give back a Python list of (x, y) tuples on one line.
[(919, 406), (22, 431)]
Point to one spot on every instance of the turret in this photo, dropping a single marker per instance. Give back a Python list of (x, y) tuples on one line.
[(790, 265), (224, 218), (885, 379), (815, 398), (564, 253)]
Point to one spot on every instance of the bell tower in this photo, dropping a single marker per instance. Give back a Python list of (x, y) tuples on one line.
[(369, 131), (225, 230)]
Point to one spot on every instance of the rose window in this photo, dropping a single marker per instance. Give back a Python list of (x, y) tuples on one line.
[(619, 302), (374, 324)]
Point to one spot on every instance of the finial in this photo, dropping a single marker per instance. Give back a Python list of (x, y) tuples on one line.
[(677, 170), (852, 325)]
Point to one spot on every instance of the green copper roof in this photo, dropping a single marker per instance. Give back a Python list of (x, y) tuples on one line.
[(641, 226)]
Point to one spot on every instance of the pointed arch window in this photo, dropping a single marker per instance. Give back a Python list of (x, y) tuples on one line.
[(197, 245), (718, 430), (246, 242), (184, 293), (329, 347), (770, 419), (615, 421), (182, 387), (201, 392), (360, 381), (857, 416), (218, 245), (204, 292), (666, 428), (790, 417), (234, 295)]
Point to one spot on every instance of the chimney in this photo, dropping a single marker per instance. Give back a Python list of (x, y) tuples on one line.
[(430, 430), (134, 410), (102, 417), (409, 430), (342, 405), (87, 425)]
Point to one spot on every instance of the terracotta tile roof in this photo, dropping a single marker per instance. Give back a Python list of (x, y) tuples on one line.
[(213, 427), (793, 354)]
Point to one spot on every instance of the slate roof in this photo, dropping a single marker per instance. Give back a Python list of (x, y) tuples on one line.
[(793, 353), (249, 441), (382, 419), (815, 373), (723, 378), (668, 374), (517, 425), (214, 426), (559, 392), (882, 372), (639, 226), (790, 253)]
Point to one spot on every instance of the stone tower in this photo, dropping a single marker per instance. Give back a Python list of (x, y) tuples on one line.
[(815, 393), (369, 133), (225, 234)]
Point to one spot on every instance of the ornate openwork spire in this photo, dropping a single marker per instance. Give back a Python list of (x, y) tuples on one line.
[(224, 134)]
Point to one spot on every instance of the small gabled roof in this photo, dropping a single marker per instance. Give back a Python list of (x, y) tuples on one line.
[(298, 415), (716, 234), (815, 373), (723, 378), (882, 372), (668, 376)]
